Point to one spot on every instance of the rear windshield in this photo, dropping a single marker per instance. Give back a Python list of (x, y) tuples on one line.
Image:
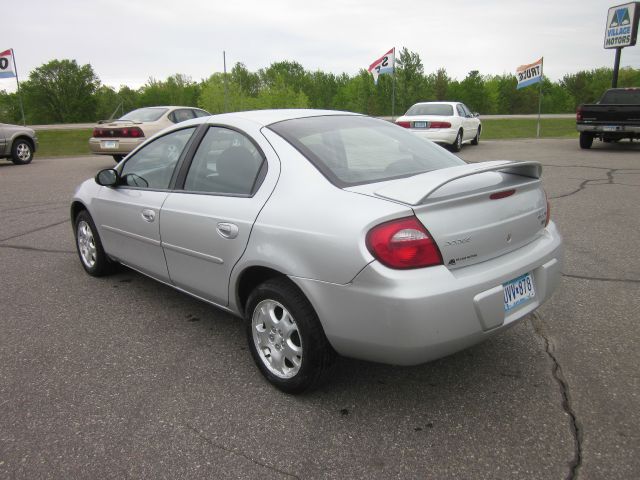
[(353, 150), (437, 109), (144, 114), (613, 97)]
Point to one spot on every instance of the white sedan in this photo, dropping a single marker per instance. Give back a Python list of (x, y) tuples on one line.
[(447, 123)]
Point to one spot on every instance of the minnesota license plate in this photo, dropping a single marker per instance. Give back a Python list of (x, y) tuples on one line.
[(419, 124), (518, 291), (110, 144)]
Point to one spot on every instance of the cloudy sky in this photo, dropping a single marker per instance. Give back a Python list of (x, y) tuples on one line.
[(128, 41)]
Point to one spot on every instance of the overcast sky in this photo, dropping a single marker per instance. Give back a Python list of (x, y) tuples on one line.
[(128, 41)]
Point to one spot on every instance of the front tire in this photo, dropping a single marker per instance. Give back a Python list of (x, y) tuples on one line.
[(92, 256), (285, 337), (21, 152), (586, 140), (456, 146)]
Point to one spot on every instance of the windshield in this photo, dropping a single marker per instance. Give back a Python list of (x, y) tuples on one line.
[(144, 114), (354, 150), (437, 109)]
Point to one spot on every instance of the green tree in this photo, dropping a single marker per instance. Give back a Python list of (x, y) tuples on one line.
[(60, 91)]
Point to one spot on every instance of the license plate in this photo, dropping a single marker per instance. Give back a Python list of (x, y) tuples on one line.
[(419, 124), (608, 128), (518, 291), (109, 144)]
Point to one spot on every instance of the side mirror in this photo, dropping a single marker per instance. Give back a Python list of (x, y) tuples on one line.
[(108, 177)]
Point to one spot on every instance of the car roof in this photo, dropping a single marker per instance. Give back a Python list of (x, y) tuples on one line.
[(437, 103), (268, 117)]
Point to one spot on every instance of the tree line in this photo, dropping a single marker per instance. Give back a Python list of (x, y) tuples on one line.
[(62, 91)]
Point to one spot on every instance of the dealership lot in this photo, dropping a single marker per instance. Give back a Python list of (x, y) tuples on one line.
[(123, 377)]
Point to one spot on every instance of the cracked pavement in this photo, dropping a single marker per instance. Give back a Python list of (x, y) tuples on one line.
[(122, 377)]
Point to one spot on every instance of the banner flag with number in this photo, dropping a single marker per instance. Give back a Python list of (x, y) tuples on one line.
[(529, 74), (7, 70), (385, 64)]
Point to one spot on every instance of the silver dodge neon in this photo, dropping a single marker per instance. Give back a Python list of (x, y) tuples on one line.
[(329, 233)]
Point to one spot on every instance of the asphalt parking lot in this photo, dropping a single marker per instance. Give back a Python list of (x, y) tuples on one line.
[(121, 377)]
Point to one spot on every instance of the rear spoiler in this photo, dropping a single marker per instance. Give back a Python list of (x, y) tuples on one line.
[(417, 189)]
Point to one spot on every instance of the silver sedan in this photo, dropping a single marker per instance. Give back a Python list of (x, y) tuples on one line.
[(329, 233)]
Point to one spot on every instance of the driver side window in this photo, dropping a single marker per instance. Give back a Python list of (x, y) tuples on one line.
[(152, 166)]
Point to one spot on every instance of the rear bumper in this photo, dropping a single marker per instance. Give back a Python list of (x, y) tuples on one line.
[(124, 146), (439, 135), (408, 317), (609, 129)]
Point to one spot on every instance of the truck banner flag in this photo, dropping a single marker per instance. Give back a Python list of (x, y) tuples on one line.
[(529, 74), (385, 64), (7, 69)]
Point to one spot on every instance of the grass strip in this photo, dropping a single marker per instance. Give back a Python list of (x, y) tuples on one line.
[(63, 143), (507, 128)]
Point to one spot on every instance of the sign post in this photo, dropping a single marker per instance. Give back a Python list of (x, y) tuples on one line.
[(621, 30)]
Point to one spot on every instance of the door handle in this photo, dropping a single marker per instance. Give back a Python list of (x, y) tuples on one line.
[(227, 230), (148, 215)]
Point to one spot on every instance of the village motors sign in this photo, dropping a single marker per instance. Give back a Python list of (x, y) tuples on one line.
[(621, 29)]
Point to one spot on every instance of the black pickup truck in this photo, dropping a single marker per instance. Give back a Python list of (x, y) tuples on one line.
[(614, 117)]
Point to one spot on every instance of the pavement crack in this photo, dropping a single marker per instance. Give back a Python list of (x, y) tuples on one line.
[(34, 249), (556, 372), (34, 230), (236, 452), (610, 172), (601, 279)]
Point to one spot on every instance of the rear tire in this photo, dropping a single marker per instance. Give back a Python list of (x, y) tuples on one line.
[(21, 152), (456, 146), (285, 337), (476, 139), (586, 140), (117, 158)]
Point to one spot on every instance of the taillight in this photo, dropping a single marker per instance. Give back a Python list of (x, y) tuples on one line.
[(439, 125), (404, 124), (402, 244), (579, 114), (129, 132)]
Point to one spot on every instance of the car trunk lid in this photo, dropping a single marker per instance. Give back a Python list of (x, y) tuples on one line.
[(474, 212)]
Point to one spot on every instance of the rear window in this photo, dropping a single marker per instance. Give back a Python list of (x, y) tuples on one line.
[(620, 97), (354, 150), (437, 109), (144, 114)]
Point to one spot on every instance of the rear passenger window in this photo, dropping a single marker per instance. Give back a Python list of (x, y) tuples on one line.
[(226, 162)]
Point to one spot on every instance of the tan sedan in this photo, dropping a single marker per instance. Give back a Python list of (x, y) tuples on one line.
[(121, 136)]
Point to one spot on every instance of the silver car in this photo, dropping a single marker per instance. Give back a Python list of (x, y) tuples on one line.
[(17, 143), (329, 233)]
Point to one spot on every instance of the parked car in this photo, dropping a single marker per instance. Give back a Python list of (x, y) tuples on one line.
[(615, 117), (17, 143), (121, 136), (328, 232), (447, 123)]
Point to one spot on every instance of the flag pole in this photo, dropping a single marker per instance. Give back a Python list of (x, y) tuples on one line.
[(224, 62), (393, 88), (540, 96), (15, 67)]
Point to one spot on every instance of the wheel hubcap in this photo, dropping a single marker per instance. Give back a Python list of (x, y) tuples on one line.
[(86, 244), (277, 339), (24, 152)]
